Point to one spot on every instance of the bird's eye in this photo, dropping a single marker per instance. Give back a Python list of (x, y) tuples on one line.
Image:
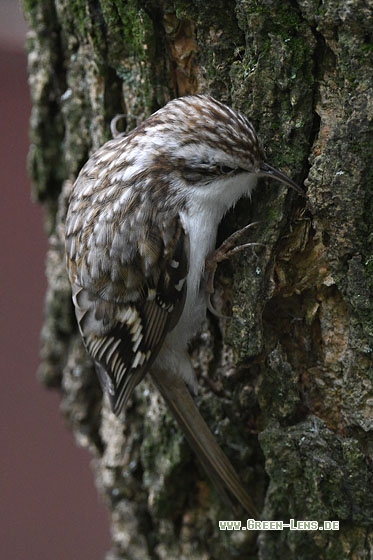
[(225, 169), (206, 171)]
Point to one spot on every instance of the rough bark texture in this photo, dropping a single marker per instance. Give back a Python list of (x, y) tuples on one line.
[(287, 384)]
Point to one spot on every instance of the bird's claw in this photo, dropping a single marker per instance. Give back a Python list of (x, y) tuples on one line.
[(226, 250)]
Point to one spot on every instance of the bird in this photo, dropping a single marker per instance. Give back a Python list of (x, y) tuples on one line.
[(140, 240)]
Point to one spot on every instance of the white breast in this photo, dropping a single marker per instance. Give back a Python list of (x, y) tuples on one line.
[(206, 207)]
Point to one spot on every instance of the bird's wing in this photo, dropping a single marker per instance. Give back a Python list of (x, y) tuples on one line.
[(127, 302)]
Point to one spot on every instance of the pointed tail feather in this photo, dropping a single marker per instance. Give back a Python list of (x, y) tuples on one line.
[(200, 438)]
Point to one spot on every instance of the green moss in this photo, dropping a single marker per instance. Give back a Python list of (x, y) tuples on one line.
[(325, 469), (29, 7), (131, 28), (138, 30), (80, 17), (275, 81), (202, 12), (367, 48), (369, 268), (132, 44)]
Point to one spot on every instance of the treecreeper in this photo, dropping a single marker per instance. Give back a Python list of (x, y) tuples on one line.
[(140, 244)]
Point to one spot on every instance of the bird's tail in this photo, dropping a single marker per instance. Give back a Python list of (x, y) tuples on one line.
[(216, 464)]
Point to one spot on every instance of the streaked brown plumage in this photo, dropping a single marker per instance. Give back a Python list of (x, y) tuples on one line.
[(142, 220)]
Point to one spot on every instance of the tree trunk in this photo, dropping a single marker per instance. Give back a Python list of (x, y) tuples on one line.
[(286, 385)]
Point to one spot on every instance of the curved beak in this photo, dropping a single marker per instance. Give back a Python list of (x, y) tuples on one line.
[(272, 173)]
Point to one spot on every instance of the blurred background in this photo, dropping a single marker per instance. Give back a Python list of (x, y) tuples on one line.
[(49, 507)]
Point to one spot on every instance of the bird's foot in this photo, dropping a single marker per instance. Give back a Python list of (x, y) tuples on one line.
[(226, 250)]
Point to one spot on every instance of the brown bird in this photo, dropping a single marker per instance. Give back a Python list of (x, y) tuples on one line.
[(141, 224)]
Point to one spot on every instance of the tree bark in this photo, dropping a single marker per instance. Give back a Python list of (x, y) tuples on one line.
[(286, 385)]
